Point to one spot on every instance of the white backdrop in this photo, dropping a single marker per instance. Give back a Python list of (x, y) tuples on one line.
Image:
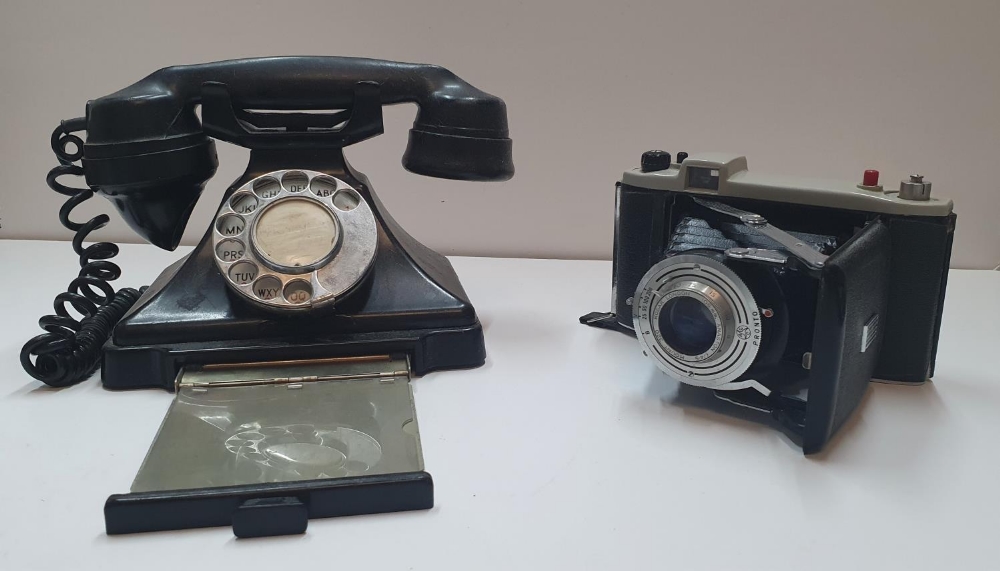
[(822, 89)]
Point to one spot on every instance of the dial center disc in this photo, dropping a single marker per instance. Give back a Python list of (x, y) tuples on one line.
[(295, 233)]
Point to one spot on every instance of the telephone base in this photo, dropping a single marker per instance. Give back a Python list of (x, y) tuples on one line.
[(411, 303)]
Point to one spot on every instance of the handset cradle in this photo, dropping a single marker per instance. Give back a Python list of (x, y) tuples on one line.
[(224, 120)]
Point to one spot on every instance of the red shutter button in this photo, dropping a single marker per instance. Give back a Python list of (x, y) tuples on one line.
[(870, 181)]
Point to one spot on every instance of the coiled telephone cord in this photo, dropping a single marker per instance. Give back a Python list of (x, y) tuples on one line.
[(70, 349)]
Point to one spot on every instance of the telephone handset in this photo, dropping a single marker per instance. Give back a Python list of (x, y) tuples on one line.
[(299, 232)]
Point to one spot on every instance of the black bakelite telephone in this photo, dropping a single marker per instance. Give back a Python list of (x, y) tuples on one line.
[(148, 153), (302, 264)]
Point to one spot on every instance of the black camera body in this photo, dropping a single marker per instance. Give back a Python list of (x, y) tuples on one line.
[(767, 288)]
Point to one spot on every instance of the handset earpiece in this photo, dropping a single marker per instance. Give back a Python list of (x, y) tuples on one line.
[(430, 152), (460, 132)]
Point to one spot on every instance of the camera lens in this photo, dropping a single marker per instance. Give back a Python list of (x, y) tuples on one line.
[(696, 318), (687, 325)]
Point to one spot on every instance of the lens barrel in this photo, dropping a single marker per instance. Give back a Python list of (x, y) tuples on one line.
[(697, 319)]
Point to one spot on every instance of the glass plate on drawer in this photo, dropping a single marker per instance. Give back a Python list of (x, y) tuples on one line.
[(253, 430)]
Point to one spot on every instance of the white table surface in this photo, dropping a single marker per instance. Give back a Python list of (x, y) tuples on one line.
[(566, 450)]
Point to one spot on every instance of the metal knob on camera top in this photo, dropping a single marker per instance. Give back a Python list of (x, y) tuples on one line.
[(915, 188)]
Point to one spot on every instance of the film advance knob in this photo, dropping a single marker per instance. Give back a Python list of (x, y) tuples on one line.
[(915, 188), (655, 161), (295, 234)]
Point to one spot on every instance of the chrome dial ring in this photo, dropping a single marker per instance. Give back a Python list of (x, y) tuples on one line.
[(294, 239)]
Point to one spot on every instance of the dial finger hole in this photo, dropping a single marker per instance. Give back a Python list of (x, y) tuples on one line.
[(267, 288), (346, 200), (267, 187), (298, 291), (230, 250), (323, 186), (231, 225), (295, 181), (242, 272), (243, 203)]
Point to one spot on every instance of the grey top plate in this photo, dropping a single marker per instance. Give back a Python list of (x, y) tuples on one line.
[(735, 180)]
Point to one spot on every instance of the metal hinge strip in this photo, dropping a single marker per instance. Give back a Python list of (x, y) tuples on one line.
[(223, 375)]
